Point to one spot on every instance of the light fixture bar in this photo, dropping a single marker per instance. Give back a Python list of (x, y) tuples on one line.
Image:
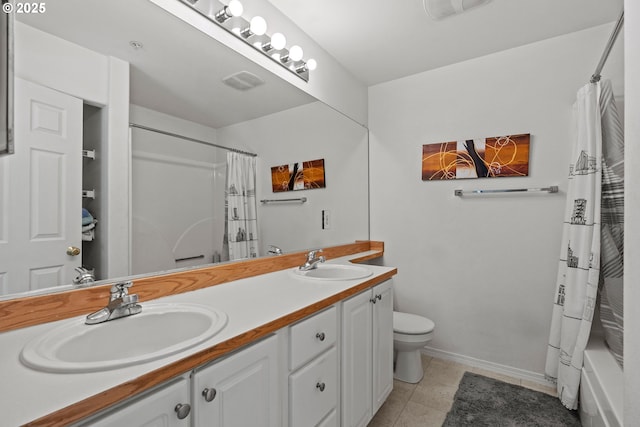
[(254, 34)]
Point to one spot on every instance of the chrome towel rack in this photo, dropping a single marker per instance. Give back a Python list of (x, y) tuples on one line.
[(297, 199), (551, 189)]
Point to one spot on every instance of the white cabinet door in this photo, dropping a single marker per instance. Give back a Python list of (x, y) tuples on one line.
[(157, 409), (241, 390), (357, 360), (367, 353), (382, 343)]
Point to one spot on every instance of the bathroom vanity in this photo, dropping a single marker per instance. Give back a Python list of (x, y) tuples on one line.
[(294, 351)]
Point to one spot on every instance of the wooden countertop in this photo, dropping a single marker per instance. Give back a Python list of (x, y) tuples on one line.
[(259, 296)]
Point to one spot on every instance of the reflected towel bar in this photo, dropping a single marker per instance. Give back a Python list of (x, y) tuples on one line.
[(298, 199), (189, 258), (551, 189)]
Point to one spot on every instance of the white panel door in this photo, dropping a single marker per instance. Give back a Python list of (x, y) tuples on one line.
[(357, 364), (40, 194)]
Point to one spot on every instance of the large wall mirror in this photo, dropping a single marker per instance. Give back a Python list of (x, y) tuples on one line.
[(6, 81), (122, 124)]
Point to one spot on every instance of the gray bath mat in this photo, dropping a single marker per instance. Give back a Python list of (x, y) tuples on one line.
[(482, 401)]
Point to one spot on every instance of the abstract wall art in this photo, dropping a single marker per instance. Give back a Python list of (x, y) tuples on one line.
[(298, 176), (476, 158)]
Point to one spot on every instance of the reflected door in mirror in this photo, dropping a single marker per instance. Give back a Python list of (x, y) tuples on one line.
[(40, 191)]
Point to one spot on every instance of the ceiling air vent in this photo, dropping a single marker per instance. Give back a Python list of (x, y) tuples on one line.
[(439, 9), (243, 80)]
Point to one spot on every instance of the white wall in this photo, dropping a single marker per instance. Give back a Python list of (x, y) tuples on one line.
[(312, 131), (482, 268), (632, 214)]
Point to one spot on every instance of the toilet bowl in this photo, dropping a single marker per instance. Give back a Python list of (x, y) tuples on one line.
[(410, 333)]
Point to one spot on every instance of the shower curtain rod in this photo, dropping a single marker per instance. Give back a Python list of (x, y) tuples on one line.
[(607, 50), (199, 141)]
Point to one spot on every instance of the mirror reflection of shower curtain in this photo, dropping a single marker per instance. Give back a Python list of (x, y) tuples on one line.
[(612, 265), (579, 263), (241, 230)]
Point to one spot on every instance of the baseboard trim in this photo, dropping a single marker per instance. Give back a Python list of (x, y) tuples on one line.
[(520, 374)]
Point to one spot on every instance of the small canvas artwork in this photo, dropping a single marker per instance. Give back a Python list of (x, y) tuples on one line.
[(298, 176), (476, 158)]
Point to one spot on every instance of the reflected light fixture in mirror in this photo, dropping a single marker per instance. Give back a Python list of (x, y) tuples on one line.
[(229, 17)]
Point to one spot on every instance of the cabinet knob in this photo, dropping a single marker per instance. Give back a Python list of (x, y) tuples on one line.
[(209, 394), (373, 300), (379, 297), (182, 409), (320, 336), (320, 386)]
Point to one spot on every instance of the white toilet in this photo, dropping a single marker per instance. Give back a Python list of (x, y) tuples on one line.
[(410, 333)]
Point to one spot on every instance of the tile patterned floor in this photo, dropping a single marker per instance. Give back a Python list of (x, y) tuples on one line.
[(426, 404)]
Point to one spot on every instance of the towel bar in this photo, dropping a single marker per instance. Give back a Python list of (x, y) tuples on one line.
[(551, 189)]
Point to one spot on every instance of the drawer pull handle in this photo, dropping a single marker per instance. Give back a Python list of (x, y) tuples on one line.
[(320, 386), (209, 394), (182, 409), (320, 336)]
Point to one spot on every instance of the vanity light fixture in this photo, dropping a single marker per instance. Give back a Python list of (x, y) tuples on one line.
[(310, 65), (277, 42), (254, 33), (234, 8), (295, 54), (257, 27)]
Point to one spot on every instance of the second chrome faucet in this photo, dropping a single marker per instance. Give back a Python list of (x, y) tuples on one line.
[(312, 260)]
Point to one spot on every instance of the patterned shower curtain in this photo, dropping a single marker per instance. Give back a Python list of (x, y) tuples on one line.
[(579, 264), (241, 220), (612, 266)]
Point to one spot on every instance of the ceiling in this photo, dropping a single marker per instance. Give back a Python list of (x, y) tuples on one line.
[(179, 69), (381, 40)]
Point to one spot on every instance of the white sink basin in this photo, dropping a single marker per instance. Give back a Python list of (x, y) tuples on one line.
[(334, 272), (158, 331)]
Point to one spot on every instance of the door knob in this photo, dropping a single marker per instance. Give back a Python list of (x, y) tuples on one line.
[(73, 251)]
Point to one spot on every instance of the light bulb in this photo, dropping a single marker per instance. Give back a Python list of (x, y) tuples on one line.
[(258, 25), (312, 64), (235, 8), (278, 41), (295, 53)]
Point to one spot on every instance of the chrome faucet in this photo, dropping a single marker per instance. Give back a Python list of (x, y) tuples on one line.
[(121, 304), (274, 250), (312, 260), (85, 277)]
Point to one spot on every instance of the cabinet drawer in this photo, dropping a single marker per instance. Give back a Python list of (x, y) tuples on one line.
[(312, 336), (313, 390)]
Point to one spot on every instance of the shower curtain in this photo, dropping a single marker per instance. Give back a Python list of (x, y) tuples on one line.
[(612, 266), (579, 264), (241, 221)]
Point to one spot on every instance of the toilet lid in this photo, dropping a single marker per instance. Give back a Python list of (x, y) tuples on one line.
[(406, 323)]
